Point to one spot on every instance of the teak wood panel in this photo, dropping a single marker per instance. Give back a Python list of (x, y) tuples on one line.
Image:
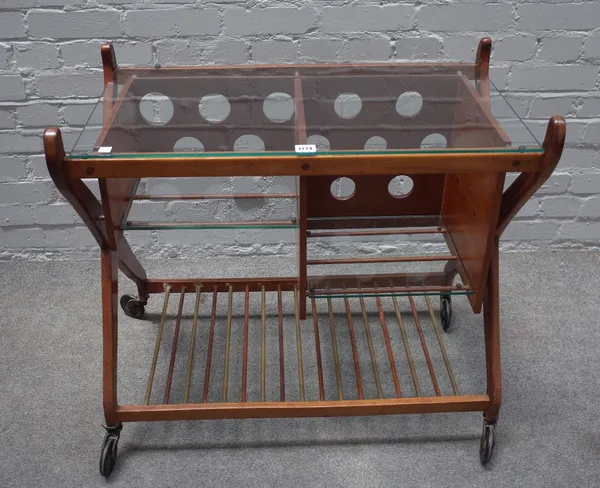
[(270, 164), (470, 213), (372, 198)]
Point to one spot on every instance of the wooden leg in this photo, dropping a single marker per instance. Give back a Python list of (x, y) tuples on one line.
[(491, 317), (109, 335), (132, 268)]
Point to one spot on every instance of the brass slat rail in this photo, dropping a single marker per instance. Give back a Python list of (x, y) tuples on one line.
[(356, 340)]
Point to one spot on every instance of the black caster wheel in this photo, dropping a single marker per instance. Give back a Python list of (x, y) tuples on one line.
[(132, 307), (446, 311), (488, 440), (110, 448)]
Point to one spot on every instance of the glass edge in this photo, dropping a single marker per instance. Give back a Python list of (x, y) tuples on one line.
[(400, 293), (516, 150), (208, 227), (514, 112)]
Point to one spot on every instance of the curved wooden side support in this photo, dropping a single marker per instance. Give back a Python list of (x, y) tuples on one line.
[(109, 67), (109, 63), (523, 188), (74, 190), (482, 67)]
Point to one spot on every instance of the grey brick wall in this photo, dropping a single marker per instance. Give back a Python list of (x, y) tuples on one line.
[(546, 58)]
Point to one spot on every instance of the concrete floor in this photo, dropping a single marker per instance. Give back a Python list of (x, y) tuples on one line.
[(548, 436)]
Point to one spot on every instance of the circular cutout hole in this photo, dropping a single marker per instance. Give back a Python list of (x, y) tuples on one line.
[(342, 188), (156, 108), (347, 105), (375, 143), (409, 104), (214, 107), (401, 186), (188, 144), (320, 141), (434, 141), (279, 107), (249, 143)]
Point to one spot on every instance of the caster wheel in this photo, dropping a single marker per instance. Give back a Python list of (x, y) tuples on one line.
[(108, 456), (446, 312), (132, 307), (488, 440)]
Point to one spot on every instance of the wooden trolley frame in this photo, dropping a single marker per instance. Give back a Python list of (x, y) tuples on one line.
[(471, 196)]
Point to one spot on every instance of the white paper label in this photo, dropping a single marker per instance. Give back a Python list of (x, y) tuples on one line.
[(105, 149), (306, 148)]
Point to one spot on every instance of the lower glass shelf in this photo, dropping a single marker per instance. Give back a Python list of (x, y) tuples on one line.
[(273, 224), (386, 285)]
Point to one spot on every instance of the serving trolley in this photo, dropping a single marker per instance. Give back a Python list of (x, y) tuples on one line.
[(381, 151)]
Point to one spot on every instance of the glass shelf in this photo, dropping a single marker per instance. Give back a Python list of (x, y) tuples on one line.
[(356, 110), (214, 203)]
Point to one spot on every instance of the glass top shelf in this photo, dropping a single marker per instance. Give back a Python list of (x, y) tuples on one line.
[(346, 109)]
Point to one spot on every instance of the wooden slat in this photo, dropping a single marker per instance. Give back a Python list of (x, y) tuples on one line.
[(424, 347), (359, 387), (245, 353), (211, 336), (388, 346), (318, 350), (174, 349), (281, 355), (345, 408)]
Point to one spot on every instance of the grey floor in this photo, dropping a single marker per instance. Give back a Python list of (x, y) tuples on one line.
[(549, 433)]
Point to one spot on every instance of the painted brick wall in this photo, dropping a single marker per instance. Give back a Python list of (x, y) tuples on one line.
[(546, 58)]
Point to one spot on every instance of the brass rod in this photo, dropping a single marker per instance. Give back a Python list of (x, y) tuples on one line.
[(263, 345), (211, 336), (424, 346), (318, 350), (159, 334), (281, 357), (417, 290), (234, 196), (388, 346), (336, 358), (188, 376), (371, 348), (174, 348), (442, 347), (411, 364), (375, 232), (299, 345), (245, 353), (391, 259), (354, 350), (137, 225), (227, 344)]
